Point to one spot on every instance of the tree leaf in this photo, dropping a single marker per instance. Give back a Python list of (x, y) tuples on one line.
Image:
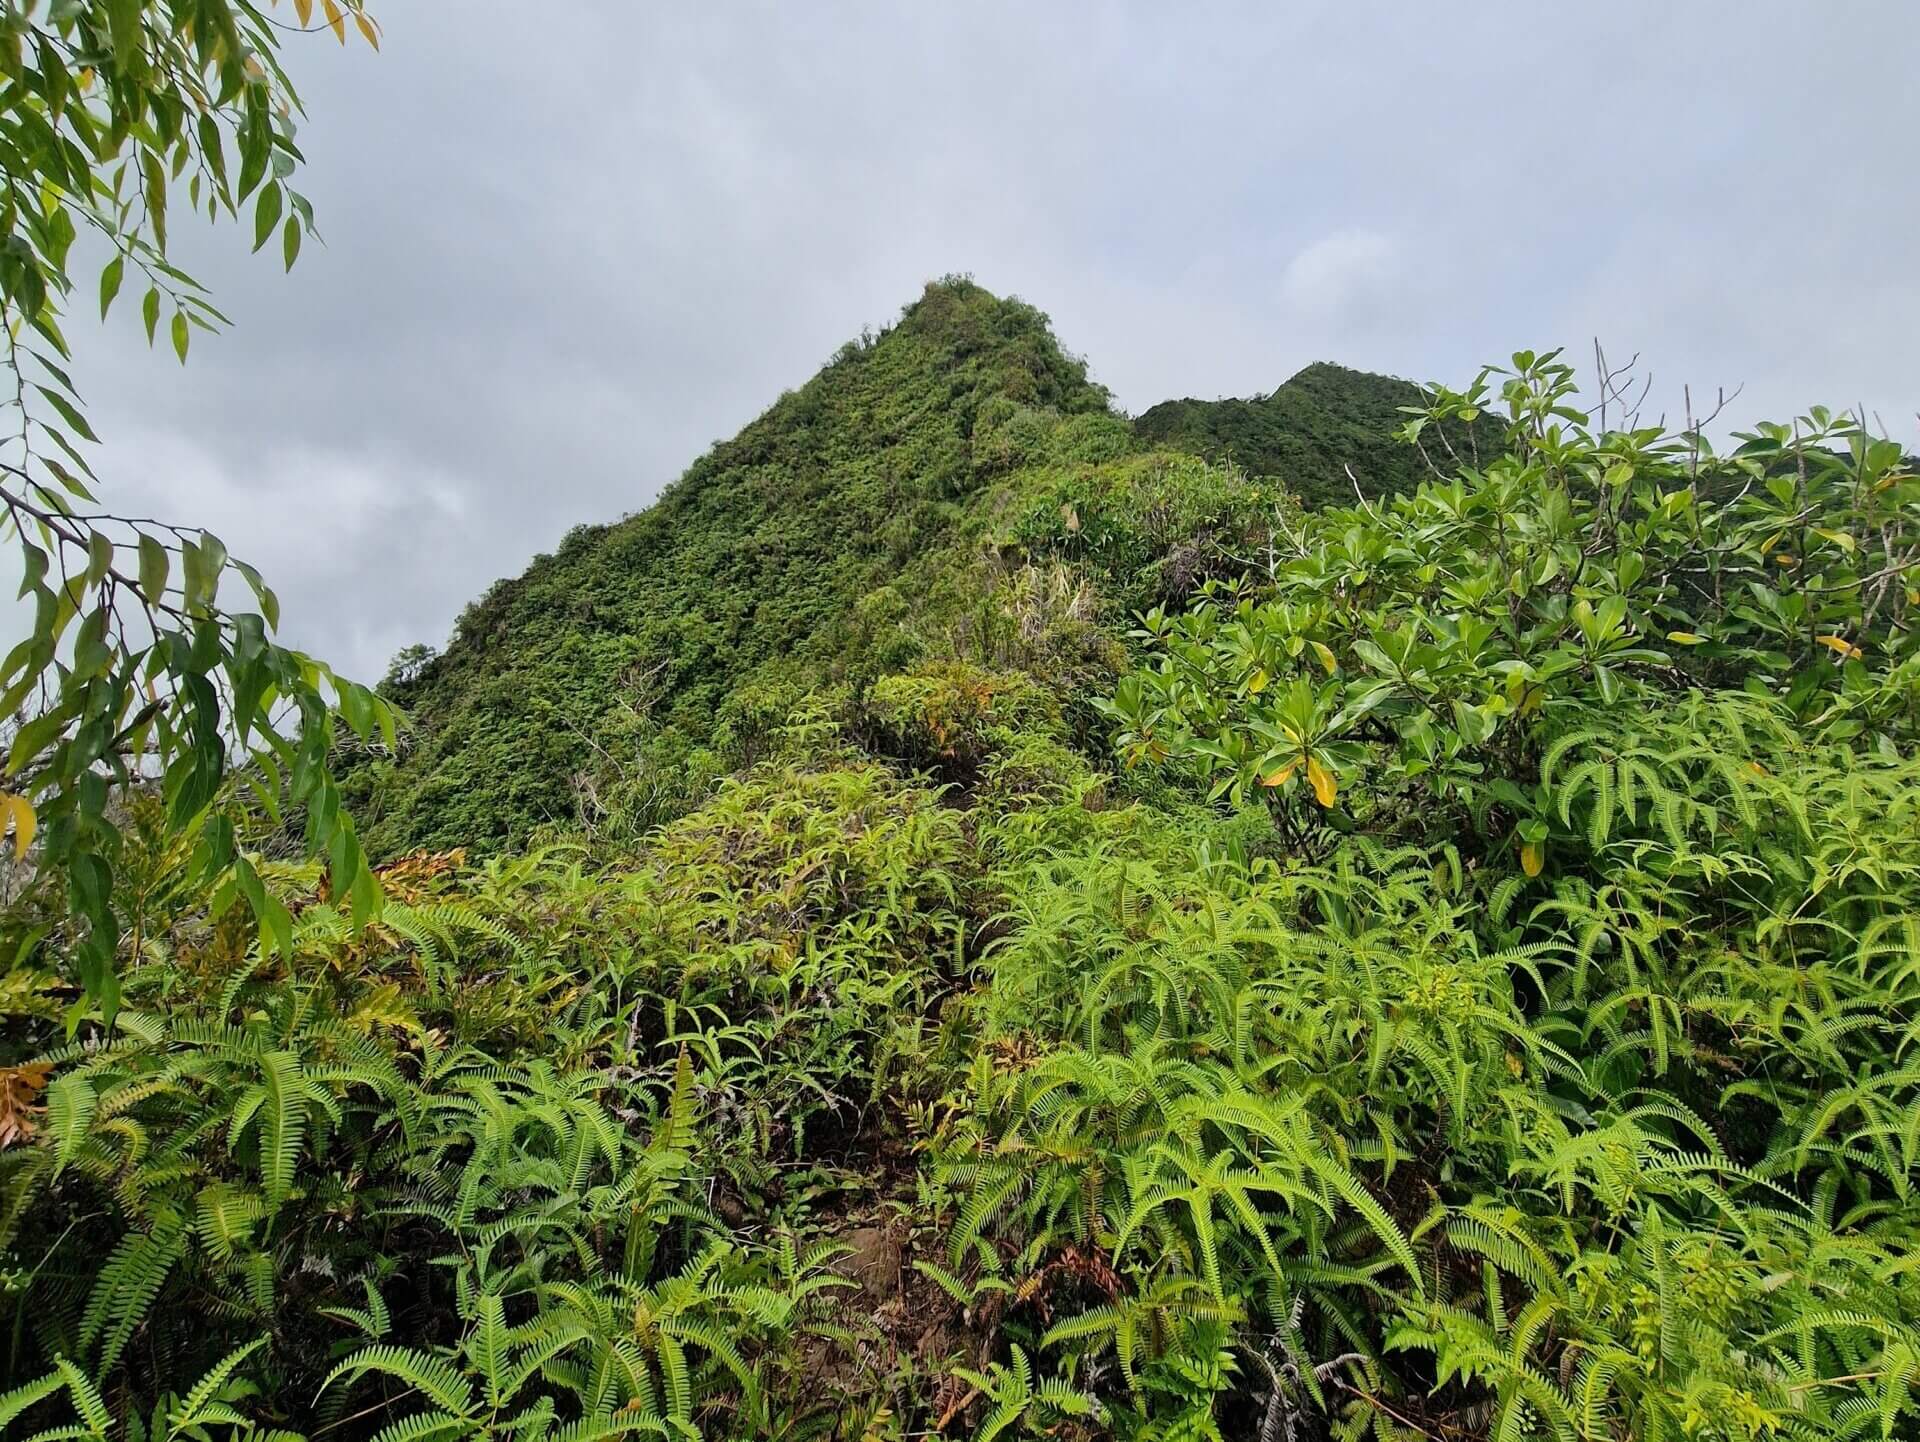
[(154, 565), (1325, 787), (110, 277), (124, 29), (266, 213), (19, 815), (68, 412)]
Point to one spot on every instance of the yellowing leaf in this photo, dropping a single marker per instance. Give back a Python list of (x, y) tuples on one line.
[(1258, 683), (1532, 856), (1321, 779), (385, 1006), (1282, 776), (19, 812), (304, 10), (1839, 538), (1841, 645), (368, 29), (1326, 657), (336, 18), (1685, 638)]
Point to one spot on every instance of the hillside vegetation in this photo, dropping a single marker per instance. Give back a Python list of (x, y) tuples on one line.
[(1322, 423), (845, 532), (973, 918), (848, 531), (631, 637)]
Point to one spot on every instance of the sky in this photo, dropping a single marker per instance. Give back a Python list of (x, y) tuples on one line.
[(566, 248)]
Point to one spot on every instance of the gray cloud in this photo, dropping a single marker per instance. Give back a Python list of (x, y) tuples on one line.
[(564, 255)]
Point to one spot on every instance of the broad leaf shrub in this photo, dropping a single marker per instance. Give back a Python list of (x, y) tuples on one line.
[(1627, 728)]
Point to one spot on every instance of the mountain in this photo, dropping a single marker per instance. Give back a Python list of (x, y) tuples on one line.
[(759, 552), (1305, 434), (953, 486)]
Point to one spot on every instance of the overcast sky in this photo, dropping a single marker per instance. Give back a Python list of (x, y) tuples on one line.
[(567, 247)]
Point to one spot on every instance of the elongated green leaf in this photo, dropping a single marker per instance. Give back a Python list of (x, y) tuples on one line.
[(110, 277), (69, 413), (154, 567), (266, 213)]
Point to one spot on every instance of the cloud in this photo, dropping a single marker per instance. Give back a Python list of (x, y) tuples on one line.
[(1350, 269), (307, 516), (563, 253)]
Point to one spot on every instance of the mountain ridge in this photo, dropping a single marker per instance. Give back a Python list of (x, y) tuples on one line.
[(1306, 432), (754, 553), (805, 547)]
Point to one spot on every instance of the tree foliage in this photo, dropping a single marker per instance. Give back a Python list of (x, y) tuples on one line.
[(111, 111)]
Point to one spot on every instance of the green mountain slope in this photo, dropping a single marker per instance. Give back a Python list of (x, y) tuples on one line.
[(954, 487), (640, 629), (1305, 434)]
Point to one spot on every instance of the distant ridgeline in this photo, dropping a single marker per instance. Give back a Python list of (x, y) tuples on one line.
[(955, 486), (1310, 431)]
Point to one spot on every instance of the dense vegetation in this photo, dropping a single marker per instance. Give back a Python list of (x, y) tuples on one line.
[(957, 921), (628, 642), (822, 545), (1324, 422), (1448, 969)]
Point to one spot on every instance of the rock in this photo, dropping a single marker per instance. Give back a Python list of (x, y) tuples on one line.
[(874, 1261)]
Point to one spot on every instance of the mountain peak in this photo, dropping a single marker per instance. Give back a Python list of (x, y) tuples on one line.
[(641, 649), (1322, 422), (756, 556)]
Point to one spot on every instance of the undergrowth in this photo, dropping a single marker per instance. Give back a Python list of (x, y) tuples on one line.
[(1450, 972)]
